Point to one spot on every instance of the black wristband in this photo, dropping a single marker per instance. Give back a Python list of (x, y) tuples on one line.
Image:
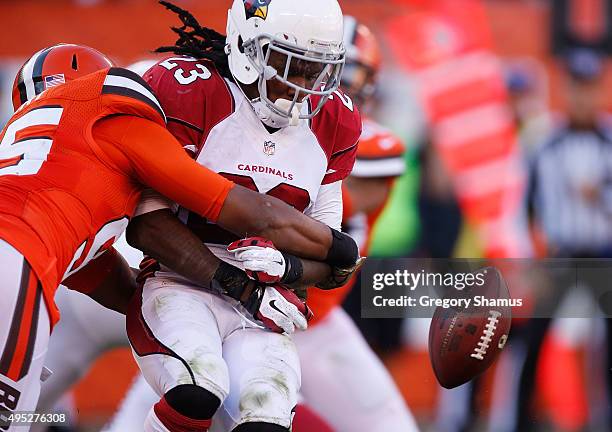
[(253, 302), (229, 280), (293, 269), (343, 252)]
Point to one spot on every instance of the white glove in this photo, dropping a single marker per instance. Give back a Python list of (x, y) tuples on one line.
[(279, 309), (261, 260)]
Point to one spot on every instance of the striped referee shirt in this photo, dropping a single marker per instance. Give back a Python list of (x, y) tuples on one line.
[(570, 190)]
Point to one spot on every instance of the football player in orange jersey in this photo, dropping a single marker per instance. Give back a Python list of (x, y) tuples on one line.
[(73, 161)]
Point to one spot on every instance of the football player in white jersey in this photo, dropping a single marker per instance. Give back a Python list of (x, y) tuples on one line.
[(261, 107), (373, 404)]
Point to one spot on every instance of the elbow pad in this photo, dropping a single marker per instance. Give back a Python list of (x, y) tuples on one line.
[(343, 252)]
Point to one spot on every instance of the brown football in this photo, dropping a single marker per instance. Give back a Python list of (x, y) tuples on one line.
[(465, 341)]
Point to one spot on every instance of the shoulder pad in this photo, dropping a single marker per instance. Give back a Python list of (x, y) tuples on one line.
[(130, 87), (191, 92), (338, 124), (337, 128)]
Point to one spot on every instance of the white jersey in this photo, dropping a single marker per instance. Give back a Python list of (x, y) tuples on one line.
[(289, 164), (302, 165)]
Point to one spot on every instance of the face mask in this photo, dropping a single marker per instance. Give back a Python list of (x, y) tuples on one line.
[(272, 119)]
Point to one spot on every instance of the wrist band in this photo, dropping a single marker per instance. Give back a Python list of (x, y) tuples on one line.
[(293, 269), (343, 251)]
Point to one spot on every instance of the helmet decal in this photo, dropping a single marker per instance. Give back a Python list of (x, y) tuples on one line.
[(295, 43), (256, 8), (54, 66)]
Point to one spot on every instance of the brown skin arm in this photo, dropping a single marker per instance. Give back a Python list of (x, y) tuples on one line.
[(290, 231), (159, 234), (314, 272), (162, 236), (108, 280)]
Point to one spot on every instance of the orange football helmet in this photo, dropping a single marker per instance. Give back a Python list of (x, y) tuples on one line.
[(53, 66), (363, 59)]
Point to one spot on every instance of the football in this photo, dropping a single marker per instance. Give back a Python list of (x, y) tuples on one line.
[(465, 341)]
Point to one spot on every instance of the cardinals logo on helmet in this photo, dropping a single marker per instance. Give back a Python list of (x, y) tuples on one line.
[(256, 8)]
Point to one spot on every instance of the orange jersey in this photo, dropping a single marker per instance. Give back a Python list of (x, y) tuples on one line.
[(73, 162), (380, 154)]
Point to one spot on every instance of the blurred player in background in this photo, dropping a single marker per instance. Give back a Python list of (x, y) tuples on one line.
[(340, 373), (570, 202), (527, 86)]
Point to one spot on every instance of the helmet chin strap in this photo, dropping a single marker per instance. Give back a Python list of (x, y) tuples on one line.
[(267, 115), (285, 105), (271, 118)]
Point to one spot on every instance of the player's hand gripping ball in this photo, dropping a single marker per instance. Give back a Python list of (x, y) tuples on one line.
[(464, 342)]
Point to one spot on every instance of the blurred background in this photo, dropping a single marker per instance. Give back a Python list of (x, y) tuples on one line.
[(502, 108)]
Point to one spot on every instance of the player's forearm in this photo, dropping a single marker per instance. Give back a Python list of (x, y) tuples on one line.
[(313, 273), (108, 279), (323, 276), (270, 218), (289, 230), (161, 235)]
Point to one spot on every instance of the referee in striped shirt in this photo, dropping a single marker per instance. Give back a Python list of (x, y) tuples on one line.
[(570, 198), (571, 175)]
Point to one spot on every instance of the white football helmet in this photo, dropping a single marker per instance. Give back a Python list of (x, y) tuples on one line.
[(307, 34)]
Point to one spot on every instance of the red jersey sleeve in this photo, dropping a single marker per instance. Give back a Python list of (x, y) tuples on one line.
[(194, 96), (150, 152), (337, 128)]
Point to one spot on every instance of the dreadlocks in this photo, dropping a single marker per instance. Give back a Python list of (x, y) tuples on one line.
[(197, 41)]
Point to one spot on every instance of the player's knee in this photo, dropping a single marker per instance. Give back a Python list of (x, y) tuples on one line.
[(193, 401), (266, 403), (259, 427)]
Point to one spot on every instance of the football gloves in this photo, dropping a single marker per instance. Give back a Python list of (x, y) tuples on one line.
[(340, 276), (264, 263), (278, 308)]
